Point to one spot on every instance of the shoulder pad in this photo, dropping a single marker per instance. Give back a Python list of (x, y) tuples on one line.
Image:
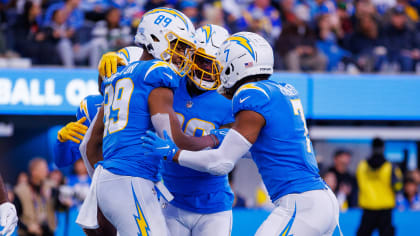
[(250, 97), (160, 74)]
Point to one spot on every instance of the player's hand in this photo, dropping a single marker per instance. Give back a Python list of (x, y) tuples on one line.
[(219, 134), (73, 131), (108, 64), (8, 218), (155, 146)]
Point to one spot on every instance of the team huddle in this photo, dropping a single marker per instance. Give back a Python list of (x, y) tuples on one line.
[(175, 115)]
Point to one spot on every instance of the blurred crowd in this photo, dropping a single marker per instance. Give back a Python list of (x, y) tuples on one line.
[(377, 187), (307, 35), (40, 194)]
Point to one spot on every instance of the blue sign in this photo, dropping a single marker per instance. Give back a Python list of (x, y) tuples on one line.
[(366, 97), (323, 96), (45, 91)]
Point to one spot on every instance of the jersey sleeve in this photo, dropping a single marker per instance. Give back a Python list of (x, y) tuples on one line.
[(82, 111), (65, 153), (251, 97), (160, 74), (88, 108)]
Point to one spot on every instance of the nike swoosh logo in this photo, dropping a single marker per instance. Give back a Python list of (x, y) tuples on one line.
[(241, 100), (169, 76), (165, 147)]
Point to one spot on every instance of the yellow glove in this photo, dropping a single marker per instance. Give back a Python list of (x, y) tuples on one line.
[(108, 64), (73, 131)]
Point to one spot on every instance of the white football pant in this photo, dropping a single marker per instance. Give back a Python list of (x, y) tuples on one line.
[(312, 213), (130, 204), (185, 223)]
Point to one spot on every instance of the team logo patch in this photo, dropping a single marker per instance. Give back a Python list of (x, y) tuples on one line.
[(207, 31)]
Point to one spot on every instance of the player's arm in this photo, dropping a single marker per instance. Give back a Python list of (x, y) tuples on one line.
[(65, 153), (67, 144), (8, 216), (236, 144), (163, 117), (92, 145), (218, 161)]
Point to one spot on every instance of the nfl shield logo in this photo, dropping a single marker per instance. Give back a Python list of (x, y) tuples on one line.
[(189, 104)]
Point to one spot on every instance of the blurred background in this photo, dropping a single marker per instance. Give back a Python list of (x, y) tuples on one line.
[(355, 63)]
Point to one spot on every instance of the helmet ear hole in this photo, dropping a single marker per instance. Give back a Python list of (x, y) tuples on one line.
[(155, 39), (229, 69)]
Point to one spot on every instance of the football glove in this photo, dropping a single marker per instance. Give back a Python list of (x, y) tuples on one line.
[(8, 218), (220, 135), (73, 131), (155, 146), (108, 64)]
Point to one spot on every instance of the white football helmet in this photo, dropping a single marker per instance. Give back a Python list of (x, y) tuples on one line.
[(166, 32), (205, 72), (244, 54)]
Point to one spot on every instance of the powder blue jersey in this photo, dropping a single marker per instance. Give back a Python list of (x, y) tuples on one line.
[(193, 190), (127, 117), (67, 153), (283, 151)]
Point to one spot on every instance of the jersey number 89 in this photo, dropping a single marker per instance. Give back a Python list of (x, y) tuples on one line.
[(116, 104)]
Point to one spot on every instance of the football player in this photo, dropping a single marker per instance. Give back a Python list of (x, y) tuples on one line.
[(202, 202), (66, 149), (8, 216), (137, 98), (269, 122)]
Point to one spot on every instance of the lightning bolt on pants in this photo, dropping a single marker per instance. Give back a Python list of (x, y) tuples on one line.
[(312, 213), (130, 204)]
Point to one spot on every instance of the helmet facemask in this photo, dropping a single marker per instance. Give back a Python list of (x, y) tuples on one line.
[(178, 54), (205, 72)]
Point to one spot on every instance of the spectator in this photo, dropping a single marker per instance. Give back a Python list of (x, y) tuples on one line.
[(321, 7), (106, 35), (79, 182), (287, 13), (364, 8), (329, 31), (131, 11), (400, 41), (190, 9), (94, 9), (31, 39), (61, 35), (410, 198), (344, 14), (109, 34), (346, 182), (297, 44), (378, 181), (364, 44), (261, 18), (331, 180), (34, 203), (73, 15), (22, 178), (156, 3)]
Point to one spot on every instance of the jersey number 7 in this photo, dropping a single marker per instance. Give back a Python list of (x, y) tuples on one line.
[(298, 110)]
